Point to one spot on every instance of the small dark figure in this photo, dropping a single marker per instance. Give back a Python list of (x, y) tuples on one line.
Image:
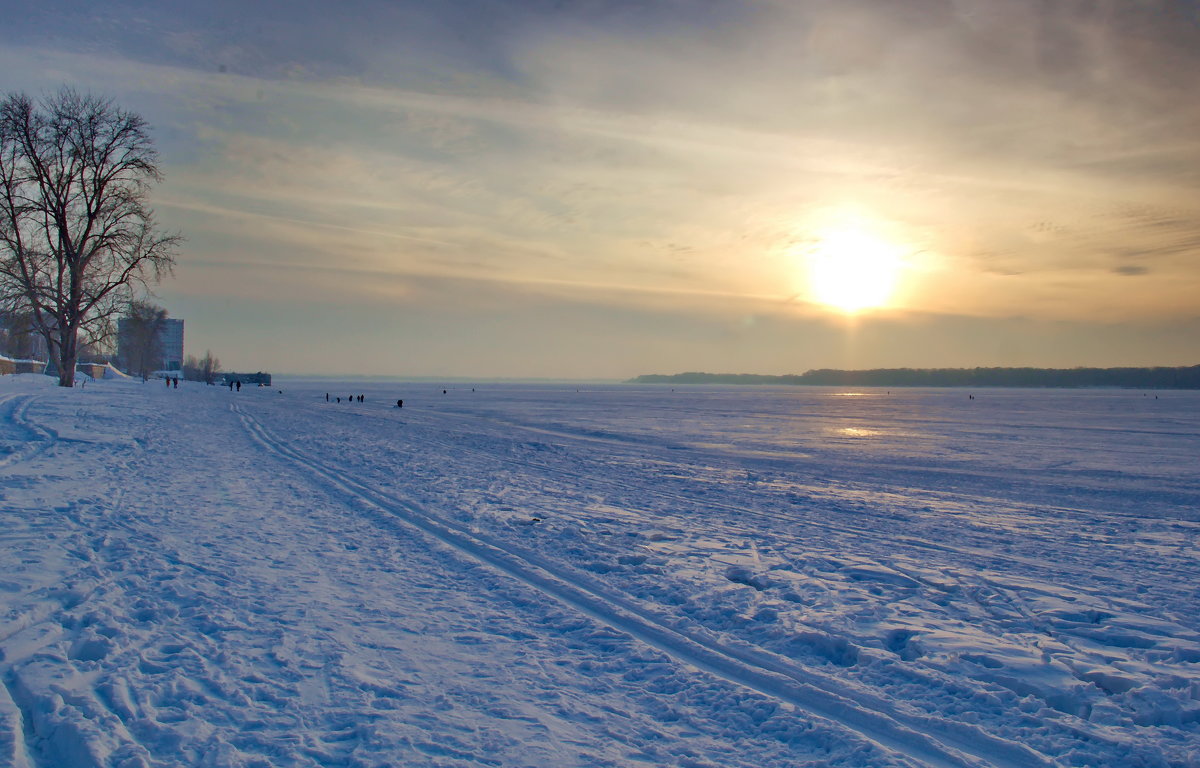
[(360, 398), (443, 391), (399, 403), (339, 399), (167, 381), (239, 385), (327, 397), (231, 386), (175, 382)]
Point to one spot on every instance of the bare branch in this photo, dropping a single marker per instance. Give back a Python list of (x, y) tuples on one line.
[(76, 235)]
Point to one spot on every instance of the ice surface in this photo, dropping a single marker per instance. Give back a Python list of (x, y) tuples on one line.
[(522, 575)]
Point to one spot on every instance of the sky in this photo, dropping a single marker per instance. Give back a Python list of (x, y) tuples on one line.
[(606, 188)]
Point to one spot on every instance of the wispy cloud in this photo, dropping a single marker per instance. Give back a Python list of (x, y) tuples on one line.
[(1029, 158)]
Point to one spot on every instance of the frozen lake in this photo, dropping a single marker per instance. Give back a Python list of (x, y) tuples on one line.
[(1136, 450), (510, 574)]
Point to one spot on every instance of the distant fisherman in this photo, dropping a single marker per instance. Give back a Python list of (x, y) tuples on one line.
[(399, 403)]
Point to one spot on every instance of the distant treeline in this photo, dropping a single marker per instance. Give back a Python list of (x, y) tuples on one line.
[(1134, 378)]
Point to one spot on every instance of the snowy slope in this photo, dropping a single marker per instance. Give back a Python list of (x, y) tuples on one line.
[(534, 575)]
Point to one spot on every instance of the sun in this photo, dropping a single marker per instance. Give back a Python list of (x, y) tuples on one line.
[(851, 269)]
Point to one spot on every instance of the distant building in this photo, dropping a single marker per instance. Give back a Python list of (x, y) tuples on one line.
[(172, 344), (170, 339)]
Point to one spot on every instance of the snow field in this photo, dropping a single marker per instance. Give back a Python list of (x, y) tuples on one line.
[(617, 576)]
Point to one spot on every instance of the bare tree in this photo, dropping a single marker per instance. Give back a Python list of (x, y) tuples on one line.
[(210, 366), (204, 369), (76, 236), (139, 338), (16, 335)]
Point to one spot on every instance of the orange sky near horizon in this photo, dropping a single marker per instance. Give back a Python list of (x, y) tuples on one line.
[(619, 189)]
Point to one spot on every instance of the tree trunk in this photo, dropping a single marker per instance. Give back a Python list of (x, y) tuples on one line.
[(68, 355)]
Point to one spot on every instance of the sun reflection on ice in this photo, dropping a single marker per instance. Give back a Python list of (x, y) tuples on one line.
[(857, 432)]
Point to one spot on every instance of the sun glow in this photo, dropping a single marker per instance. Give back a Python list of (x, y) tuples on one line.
[(852, 269)]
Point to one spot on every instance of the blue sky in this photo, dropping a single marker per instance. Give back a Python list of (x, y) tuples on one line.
[(601, 189)]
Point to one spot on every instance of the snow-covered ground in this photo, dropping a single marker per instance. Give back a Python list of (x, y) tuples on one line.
[(608, 576)]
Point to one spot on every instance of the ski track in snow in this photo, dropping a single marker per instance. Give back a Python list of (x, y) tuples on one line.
[(773, 677), (1049, 618), (623, 576)]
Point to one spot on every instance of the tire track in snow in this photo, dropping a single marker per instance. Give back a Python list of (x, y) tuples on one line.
[(15, 721), (839, 528), (741, 518), (741, 515), (36, 686), (14, 748), (39, 438), (926, 740)]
